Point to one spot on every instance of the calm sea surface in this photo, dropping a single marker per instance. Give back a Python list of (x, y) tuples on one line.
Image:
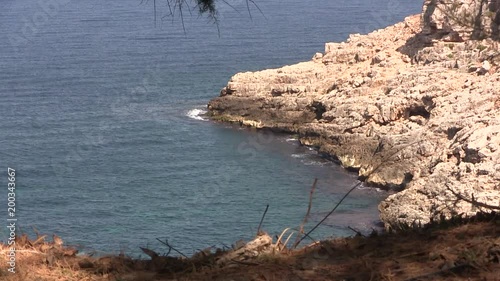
[(99, 115)]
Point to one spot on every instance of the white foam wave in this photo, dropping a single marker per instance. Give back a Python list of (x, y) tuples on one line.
[(313, 163), (196, 114), (299, 155), (363, 186)]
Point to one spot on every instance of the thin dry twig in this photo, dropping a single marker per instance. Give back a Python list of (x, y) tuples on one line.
[(301, 228), (331, 212), (471, 200), (378, 150), (170, 247), (262, 220), (39, 239), (149, 252)]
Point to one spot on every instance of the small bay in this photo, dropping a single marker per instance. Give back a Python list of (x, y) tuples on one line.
[(101, 116)]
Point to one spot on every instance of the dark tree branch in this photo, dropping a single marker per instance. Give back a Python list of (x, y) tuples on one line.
[(471, 200), (171, 247), (262, 220)]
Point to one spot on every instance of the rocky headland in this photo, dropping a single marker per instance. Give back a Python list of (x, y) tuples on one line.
[(414, 107)]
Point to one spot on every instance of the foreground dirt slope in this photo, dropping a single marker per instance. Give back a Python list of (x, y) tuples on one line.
[(409, 110), (456, 252), (464, 253)]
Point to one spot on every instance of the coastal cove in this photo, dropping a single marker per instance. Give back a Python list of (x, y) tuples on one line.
[(100, 117), (413, 107), (138, 153)]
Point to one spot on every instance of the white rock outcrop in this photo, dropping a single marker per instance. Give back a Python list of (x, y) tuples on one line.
[(408, 111)]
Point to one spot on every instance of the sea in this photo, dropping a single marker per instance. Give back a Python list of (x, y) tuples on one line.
[(102, 109)]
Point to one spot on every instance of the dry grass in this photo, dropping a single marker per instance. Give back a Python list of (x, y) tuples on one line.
[(469, 251)]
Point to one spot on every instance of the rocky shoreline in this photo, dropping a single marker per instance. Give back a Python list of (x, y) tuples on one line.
[(414, 107)]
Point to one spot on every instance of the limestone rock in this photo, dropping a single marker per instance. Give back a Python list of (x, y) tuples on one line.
[(458, 20), (421, 127)]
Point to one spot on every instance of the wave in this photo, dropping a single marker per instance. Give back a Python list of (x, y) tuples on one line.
[(363, 186), (197, 114), (314, 163)]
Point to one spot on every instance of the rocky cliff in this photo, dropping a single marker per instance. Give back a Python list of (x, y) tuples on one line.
[(459, 20), (406, 106)]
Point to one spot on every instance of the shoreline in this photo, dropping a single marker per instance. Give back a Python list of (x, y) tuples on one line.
[(238, 124), (364, 188), (408, 110), (422, 104)]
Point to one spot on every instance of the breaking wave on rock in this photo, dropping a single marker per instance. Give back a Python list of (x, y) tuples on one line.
[(197, 114)]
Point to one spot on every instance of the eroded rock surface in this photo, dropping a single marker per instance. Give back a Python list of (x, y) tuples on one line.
[(458, 20), (408, 111)]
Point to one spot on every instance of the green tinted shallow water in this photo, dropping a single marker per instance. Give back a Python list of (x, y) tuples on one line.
[(100, 117)]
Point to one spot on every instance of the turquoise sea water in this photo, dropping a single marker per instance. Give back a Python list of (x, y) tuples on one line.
[(99, 115)]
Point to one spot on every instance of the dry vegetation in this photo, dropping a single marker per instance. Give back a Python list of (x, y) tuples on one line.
[(456, 250)]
